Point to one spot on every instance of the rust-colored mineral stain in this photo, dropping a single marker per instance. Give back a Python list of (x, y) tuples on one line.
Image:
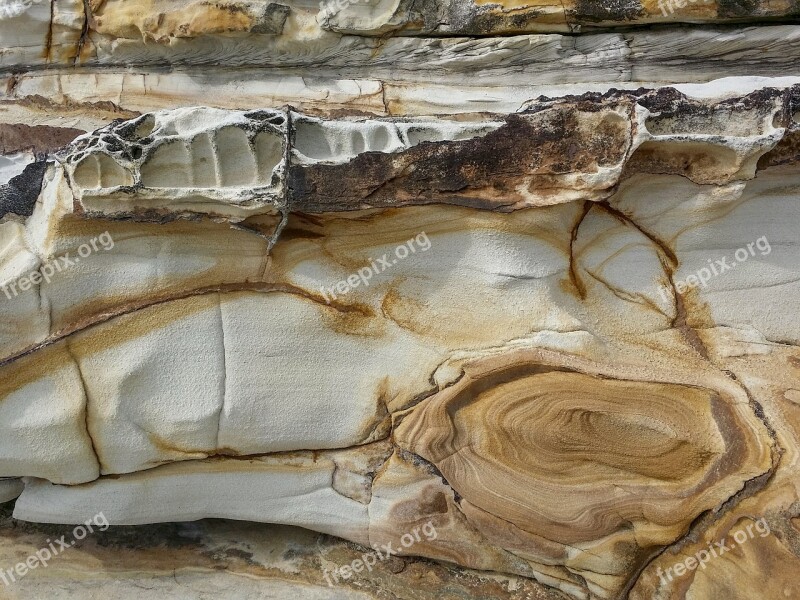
[(29, 369), (574, 278), (162, 21), (510, 440)]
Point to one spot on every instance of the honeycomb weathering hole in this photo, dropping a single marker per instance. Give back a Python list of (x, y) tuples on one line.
[(223, 158), (169, 165), (720, 121), (140, 128), (236, 158), (269, 153), (100, 171)]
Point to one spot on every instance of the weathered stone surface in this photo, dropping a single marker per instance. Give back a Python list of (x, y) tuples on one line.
[(487, 17), (501, 349), (510, 287), (202, 559), (10, 489)]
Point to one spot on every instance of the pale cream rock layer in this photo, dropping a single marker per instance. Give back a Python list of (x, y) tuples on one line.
[(24, 323), (53, 406), (90, 100), (34, 32), (285, 490), (196, 382)]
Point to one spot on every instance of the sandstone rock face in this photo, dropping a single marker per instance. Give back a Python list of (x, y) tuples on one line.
[(509, 288)]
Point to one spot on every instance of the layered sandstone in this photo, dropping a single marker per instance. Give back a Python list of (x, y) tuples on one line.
[(522, 272)]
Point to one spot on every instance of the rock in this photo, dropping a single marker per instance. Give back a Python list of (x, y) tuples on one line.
[(480, 17), (10, 489), (496, 288), (227, 555)]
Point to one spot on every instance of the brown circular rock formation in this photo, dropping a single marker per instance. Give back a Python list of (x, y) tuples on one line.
[(572, 458)]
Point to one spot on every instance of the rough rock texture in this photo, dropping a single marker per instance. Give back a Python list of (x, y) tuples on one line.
[(522, 272)]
